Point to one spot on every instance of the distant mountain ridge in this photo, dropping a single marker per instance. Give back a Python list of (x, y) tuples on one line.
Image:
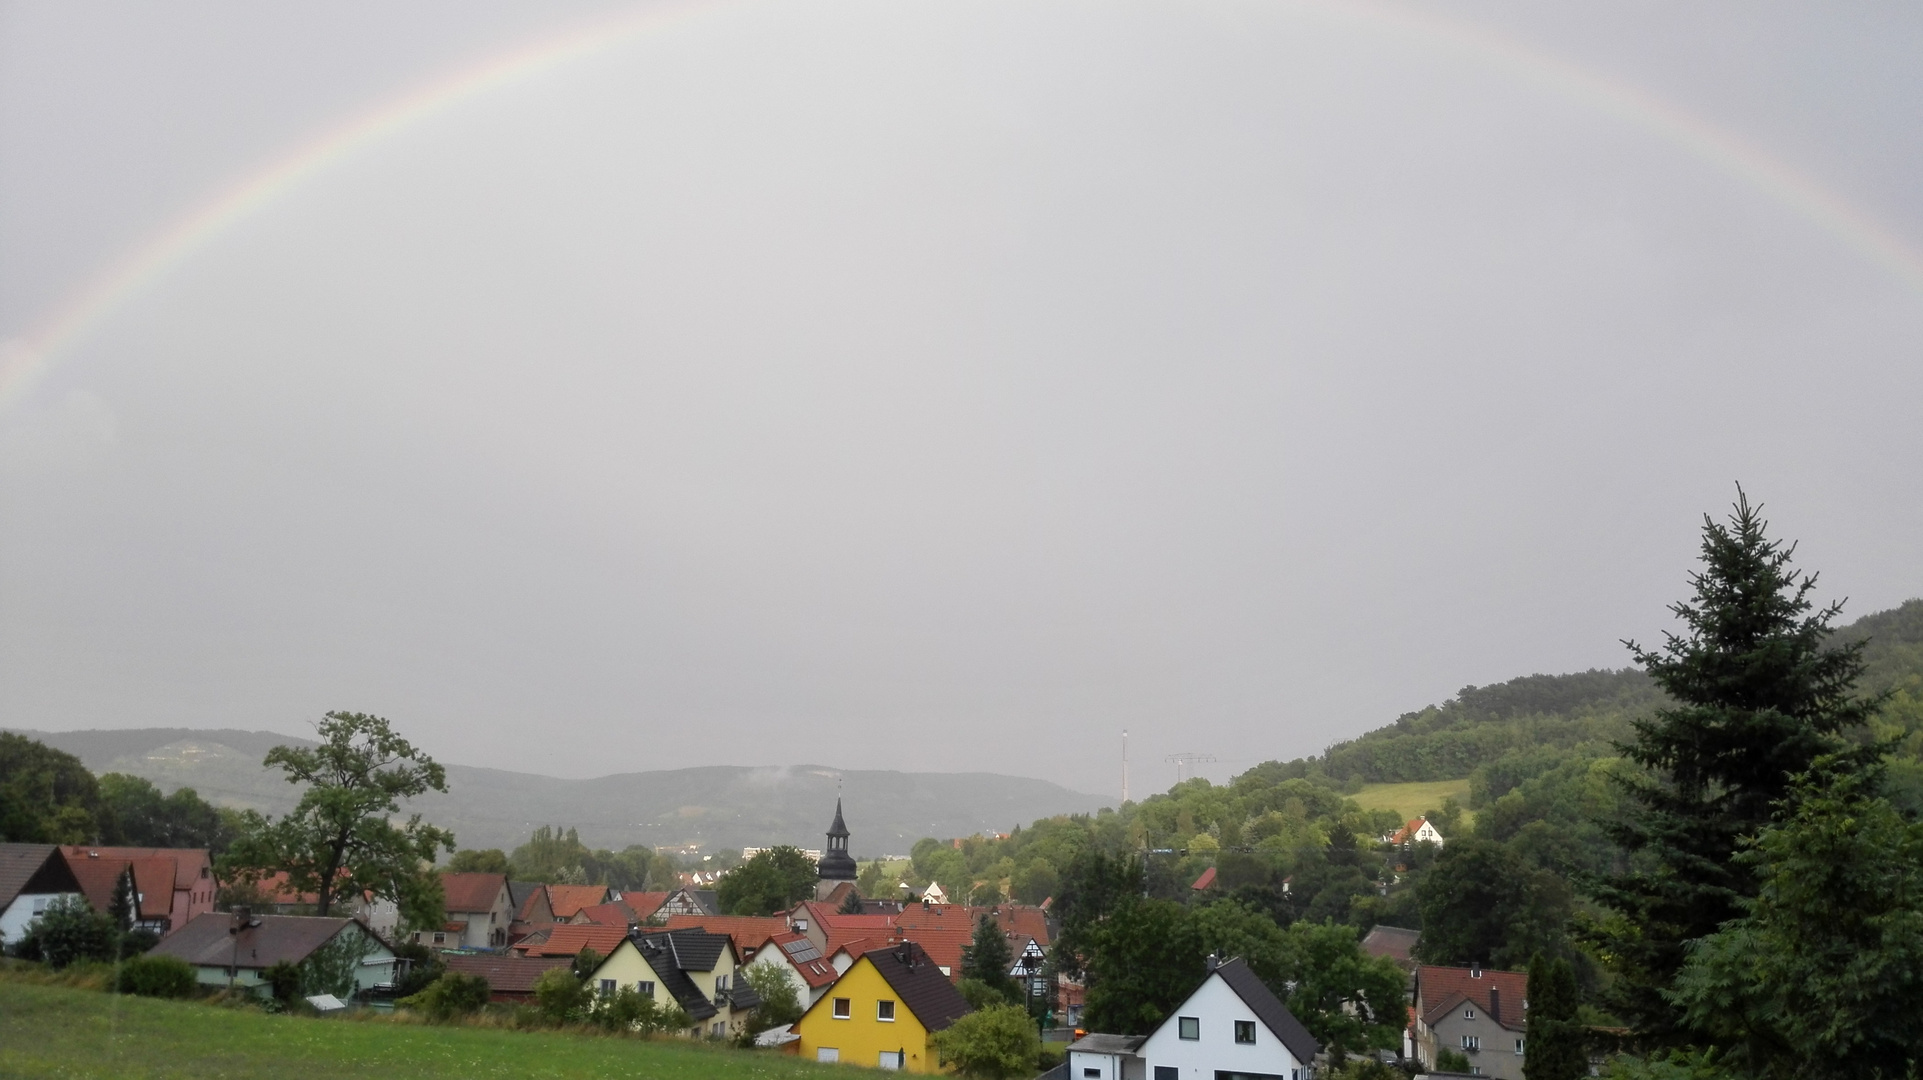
[(718, 807)]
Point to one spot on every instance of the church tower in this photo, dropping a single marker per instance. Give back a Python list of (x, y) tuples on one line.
[(836, 865)]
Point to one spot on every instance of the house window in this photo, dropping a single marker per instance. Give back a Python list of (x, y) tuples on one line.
[(1090, 1072), (1245, 1031), (440, 938), (1472, 1042), (827, 1053), (721, 984), (1167, 1072), (1518, 1047), (890, 1059), (1189, 1027), (644, 988), (1468, 1014), (841, 1009), (885, 1010), (607, 987)]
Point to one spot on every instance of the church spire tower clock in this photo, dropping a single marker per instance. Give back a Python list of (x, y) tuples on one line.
[(836, 865)]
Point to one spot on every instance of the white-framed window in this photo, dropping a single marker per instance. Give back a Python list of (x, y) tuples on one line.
[(1090, 1072), (721, 984), (644, 988), (1468, 1014), (440, 938), (842, 1010), (1188, 1027), (1518, 1047), (1245, 1031), (890, 1060), (1472, 1042), (607, 987), (827, 1053), (885, 1011)]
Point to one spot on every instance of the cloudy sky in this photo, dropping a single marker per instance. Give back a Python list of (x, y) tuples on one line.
[(590, 387)]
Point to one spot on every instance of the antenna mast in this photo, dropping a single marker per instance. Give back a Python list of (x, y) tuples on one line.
[(1124, 764), (1183, 761)]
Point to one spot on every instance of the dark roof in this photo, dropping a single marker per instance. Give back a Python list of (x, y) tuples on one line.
[(838, 829), (709, 899), (920, 984), (208, 940), (35, 869), (1059, 1072), (674, 953), (1096, 1043), (1393, 942), (835, 863), (505, 974), (519, 891), (1269, 1009)]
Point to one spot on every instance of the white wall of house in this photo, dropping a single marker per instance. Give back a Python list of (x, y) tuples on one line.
[(13, 921), (1216, 1008), (1083, 1065), (772, 956)]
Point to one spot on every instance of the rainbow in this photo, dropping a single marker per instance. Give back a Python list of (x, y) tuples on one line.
[(27, 359)]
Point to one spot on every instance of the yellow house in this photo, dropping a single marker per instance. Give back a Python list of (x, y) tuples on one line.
[(691, 968), (881, 1012)]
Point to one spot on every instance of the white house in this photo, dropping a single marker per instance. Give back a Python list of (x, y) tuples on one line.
[(1417, 831), (32, 876), (1231, 1028), (801, 961)]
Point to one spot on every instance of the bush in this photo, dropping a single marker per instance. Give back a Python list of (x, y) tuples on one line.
[(68, 931), (780, 1000), (561, 998), (283, 982), (157, 976), (1453, 1061), (996, 1043), (450, 996), (424, 967)]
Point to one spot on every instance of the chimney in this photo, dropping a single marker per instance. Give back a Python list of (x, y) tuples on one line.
[(1495, 1004), (1475, 969), (1212, 963)]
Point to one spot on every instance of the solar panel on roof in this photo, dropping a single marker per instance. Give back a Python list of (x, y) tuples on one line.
[(801, 951)]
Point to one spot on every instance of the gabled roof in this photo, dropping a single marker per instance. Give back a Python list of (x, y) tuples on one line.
[(519, 893), (1393, 942), (749, 932), (943, 945), (612, 913), (505, 974), (920, 985), (1440, 990), (674, 953), (1207, 879), (188, 862), (468, 893), (34, 869), (208, 941), (569, 939), (645, 904), (1269, 1009), (808, 961), (565, 900)]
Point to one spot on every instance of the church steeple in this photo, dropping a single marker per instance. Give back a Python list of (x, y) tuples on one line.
[(836, 864)]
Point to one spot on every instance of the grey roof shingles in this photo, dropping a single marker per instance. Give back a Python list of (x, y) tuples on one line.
[(922, 987), (208, 941), (674, 953), (33, 869), (1269, 1009)]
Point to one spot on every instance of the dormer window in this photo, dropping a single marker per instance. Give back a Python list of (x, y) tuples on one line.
[(1468, 1014)]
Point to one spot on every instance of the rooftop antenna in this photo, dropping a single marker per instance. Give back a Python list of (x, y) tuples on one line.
[(1124, 764), (1183, 761)]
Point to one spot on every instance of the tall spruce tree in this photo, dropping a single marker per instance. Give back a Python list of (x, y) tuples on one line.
[(1757, 699), (987, 959), (1555, 1048)]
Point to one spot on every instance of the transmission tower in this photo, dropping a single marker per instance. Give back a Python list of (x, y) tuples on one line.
[(1183, 761)]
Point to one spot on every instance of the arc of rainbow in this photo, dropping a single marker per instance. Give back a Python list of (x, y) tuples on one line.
[(24, 360)]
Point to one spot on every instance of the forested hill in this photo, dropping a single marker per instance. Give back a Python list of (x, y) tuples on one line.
[(1587, 710)]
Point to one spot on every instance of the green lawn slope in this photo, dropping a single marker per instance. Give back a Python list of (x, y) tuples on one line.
[(56, 1031)]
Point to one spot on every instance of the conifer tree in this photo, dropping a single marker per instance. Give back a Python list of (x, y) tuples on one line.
[(1554, 1047), (1757, 699), (988, 960)]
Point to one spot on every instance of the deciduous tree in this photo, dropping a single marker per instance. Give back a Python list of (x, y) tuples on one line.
[(774, 880), (339, 840)]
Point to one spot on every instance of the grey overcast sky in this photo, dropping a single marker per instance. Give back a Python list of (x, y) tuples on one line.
[(935, 386)]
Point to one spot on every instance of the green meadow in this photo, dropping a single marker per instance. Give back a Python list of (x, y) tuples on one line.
[(60, 1031), (1408, 800)]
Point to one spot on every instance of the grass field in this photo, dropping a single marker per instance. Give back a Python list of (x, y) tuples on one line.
[(56, 1031), (1409, 800)]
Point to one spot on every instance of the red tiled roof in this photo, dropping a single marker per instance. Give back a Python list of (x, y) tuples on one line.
[(749, 932), (612, 913), (568, 939), (1203, 882), (813, 967), (568, 899), (473, 892), (187, 861), (943, 945), (1440, 989), (645, 904)]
